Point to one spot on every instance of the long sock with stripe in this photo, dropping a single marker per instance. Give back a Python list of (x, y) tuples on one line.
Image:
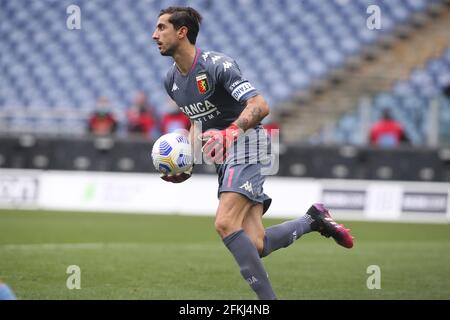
[(250, 264), (284, 234)]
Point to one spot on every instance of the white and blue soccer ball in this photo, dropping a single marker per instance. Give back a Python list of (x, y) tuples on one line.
[(172, 154)]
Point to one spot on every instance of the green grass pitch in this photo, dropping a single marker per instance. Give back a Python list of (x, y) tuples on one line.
[(126, 256)]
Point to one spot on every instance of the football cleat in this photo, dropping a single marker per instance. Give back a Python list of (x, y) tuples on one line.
[(324, 223)]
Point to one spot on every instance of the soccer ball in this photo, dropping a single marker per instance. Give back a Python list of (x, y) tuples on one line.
[(172, 154)]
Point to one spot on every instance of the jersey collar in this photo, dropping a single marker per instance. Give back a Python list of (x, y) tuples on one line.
[(195, 59)]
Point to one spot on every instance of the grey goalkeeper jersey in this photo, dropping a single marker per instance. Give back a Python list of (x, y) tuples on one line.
[(213, 92)]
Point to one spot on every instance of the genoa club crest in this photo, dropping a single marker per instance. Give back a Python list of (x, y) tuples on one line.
[(202, 83)]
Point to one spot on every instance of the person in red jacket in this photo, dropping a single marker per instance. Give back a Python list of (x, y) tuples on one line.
[(271, 124), (102, 121), (387, 132), (140, 117), (174, 119)]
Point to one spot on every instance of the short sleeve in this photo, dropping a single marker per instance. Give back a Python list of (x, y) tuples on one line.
[(167, 82), (229, 75)]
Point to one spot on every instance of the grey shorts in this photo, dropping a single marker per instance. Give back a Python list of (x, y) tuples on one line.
[(245, 179)]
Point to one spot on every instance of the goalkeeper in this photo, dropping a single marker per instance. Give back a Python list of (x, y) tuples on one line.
[(210, 89)]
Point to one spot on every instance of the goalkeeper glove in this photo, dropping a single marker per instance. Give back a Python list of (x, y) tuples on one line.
[(219, 142), (177, 178)]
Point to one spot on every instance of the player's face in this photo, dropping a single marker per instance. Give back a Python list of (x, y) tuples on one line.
[(165, 36)]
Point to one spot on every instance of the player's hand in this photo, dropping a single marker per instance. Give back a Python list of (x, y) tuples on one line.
[(177, 178), (218, 142)]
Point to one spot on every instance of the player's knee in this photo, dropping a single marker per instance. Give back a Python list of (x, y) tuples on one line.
[(225, 226)]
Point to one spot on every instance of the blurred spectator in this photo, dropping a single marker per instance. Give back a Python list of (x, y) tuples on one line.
[(102, 121), (387, 132), (174, 119), (271, 123), (140, 118)]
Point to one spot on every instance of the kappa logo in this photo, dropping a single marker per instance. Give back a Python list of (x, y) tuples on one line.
[(294, 235), (247, 186), (205, 55), (174, 87), (227, 65), (215, 58), (252, 280)]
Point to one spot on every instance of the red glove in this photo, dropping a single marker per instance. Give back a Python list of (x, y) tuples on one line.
[(177, 178), (218, 143)]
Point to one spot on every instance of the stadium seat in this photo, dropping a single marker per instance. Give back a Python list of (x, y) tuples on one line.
[(409, 100), (46, 65)]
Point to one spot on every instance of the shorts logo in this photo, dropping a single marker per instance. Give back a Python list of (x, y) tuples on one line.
[(247, 186), (202, 83)]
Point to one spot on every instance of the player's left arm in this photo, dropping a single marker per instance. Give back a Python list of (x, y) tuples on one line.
[(256, 109)]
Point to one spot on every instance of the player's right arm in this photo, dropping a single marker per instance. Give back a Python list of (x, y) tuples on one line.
[(177, 178)]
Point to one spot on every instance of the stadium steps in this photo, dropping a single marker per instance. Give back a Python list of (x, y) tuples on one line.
[(375, 71)]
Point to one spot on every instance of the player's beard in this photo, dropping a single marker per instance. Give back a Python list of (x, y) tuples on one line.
[(169, 51)]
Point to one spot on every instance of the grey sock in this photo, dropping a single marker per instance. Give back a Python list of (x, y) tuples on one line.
[(251, 267), (284, 234)]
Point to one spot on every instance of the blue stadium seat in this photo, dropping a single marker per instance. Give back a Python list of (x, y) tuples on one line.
[(113, 55), (409, 100)]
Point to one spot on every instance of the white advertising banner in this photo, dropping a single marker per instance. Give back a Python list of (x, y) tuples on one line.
[(147, 193), (19, 189), (144, 193), (383, 201), (291, 197)]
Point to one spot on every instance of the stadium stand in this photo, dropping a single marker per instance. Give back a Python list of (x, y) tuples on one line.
[(52, 76), (410, 101)]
